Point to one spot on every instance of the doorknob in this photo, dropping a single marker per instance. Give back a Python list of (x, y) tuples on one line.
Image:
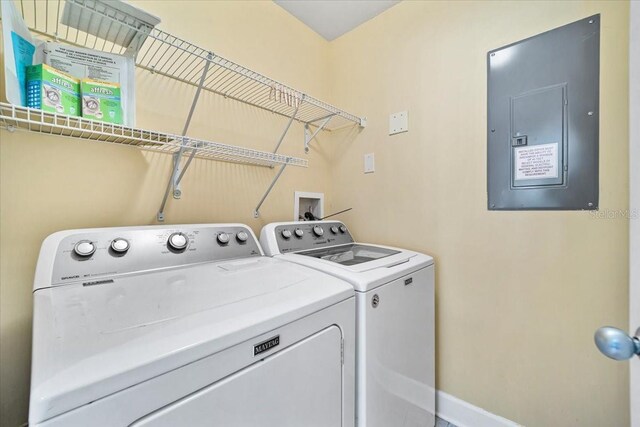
[(616, 344)]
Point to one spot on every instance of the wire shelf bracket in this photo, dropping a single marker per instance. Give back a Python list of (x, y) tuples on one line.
[(308, 136), (256, 211), (178, 172)]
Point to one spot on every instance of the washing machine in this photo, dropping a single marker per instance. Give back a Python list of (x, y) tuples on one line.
[(187, 325), (395, 357)]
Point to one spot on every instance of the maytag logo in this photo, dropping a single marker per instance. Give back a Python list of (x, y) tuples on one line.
[(98, 282), (70, 277), (266, 345)]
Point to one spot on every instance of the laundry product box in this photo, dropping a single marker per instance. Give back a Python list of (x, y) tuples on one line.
[(101, 101), (52, 90), (96, 65)]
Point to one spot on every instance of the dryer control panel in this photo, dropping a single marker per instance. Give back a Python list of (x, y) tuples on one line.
[(300, 236), (89, 255)]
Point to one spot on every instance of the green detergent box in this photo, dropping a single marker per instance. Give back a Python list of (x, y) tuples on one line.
[(52, 90), (101, 101)]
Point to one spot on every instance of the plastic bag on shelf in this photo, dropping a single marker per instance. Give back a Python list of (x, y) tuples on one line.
[(19, 49)]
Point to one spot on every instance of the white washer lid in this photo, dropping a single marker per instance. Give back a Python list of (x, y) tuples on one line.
[(367, 275), (91, 341)]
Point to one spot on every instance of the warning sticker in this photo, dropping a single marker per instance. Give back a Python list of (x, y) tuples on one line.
[(537, 162)]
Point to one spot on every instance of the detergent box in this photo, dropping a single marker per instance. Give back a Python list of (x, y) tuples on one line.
[(52, 90), (101, 101)]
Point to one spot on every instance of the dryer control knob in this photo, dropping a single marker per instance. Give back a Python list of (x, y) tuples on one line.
[(120, 245), (286, 234), (177, 241), (242, 236), (299, 233), (334, 229), (223, 238), (317, 230), (84, 248), (343, 229)]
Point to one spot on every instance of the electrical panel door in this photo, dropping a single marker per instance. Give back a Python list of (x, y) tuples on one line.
[(542, 136)]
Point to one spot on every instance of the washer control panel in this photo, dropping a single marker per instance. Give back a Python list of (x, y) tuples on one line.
[(92, 254), (300, 236)]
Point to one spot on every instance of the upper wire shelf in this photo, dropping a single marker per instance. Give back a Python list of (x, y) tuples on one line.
[(115, 31), (13, 117)]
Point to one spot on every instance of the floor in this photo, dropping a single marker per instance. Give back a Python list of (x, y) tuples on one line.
[(442, 423)]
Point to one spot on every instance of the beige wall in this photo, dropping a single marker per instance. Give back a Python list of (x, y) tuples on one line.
[(519, 294), (49, 184)]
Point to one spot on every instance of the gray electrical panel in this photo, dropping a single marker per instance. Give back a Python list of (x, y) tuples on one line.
[(542, 120)]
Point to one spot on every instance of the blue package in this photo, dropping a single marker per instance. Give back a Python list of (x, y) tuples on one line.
[(23, 52)]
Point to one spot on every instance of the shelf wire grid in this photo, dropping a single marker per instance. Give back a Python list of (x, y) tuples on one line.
[(13, 117), (162, 53)]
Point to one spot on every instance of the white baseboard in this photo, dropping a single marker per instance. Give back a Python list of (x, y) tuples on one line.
[(464, 414)]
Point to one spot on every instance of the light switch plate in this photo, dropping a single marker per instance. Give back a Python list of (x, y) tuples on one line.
[(369, 163), (398, 122)]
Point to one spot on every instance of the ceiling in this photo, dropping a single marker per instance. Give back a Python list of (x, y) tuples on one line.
[(333, 18)]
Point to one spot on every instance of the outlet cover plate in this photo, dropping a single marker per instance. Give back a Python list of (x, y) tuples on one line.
[(369, 163), (398, 122)]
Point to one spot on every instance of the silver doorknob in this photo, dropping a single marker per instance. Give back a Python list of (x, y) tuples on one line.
[(616, 344)]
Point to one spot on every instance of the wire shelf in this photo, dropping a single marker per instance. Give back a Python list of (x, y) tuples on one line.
[(21, 118), (162, 53)]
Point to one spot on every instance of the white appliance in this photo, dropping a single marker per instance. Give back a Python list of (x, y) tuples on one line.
[(395, 357), (187, 325)]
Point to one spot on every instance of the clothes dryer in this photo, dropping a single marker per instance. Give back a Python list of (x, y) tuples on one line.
[(186, 325)]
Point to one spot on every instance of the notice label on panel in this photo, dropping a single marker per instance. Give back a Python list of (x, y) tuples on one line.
[(536, 162)]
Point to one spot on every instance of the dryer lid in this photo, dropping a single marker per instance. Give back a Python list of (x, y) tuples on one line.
[(91, 341)]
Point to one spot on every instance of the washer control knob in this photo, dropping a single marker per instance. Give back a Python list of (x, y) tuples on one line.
[(286, 233), (242, 236), (334, 229), (343, 229), (84, 248), (178, 241), (317, 230), (223, 238), (299, 233), (120, 245)]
